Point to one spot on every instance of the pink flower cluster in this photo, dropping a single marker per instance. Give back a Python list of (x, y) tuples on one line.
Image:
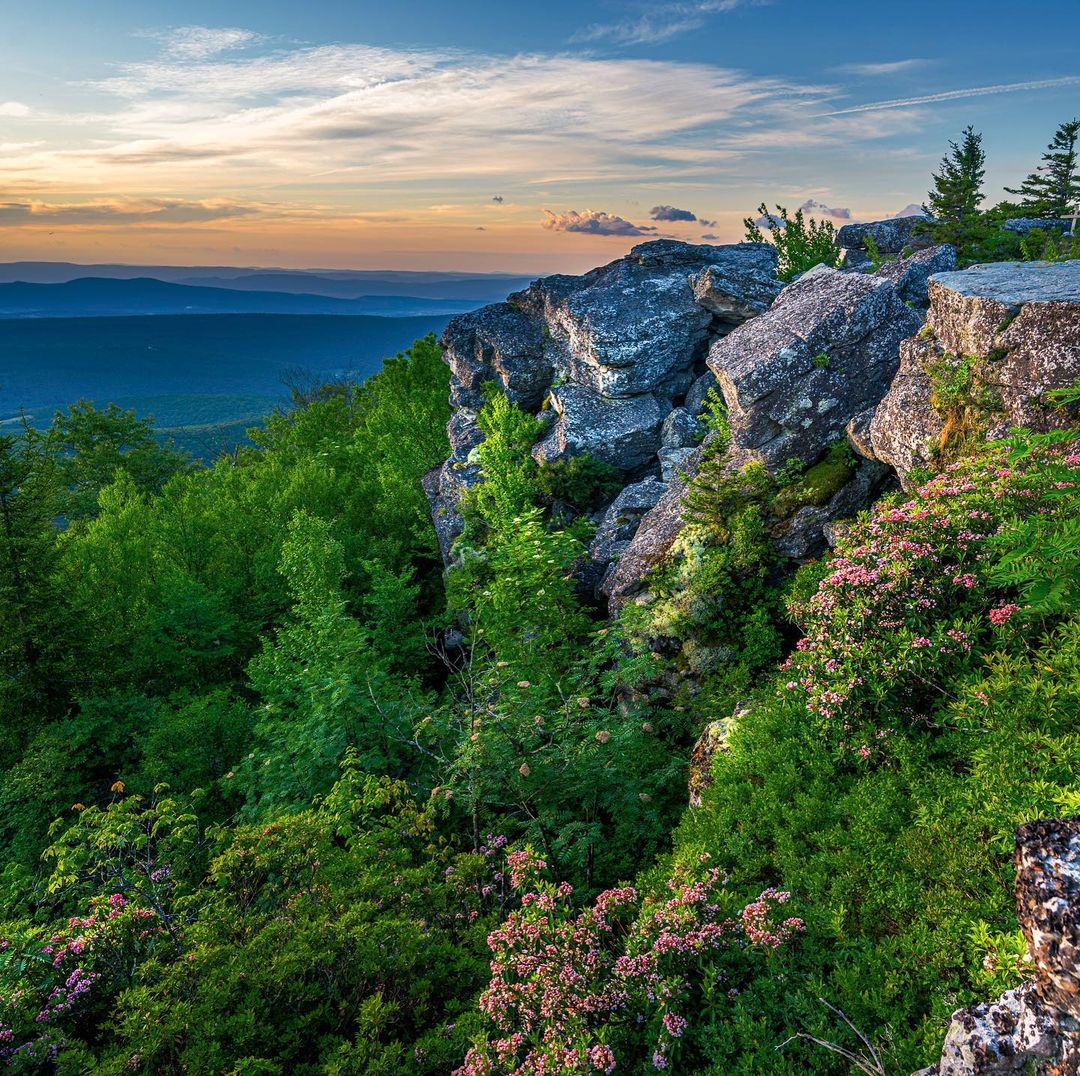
[(566, 983), (907, 596)]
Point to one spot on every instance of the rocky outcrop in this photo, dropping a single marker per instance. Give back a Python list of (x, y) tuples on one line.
[(1012, 330), (891, 236), (713, 741), (1036, 1027), (616, 357), (619, 524), (1023, 225), (911, 276), (825, 351)]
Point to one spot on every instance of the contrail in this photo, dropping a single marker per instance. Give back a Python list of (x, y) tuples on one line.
[(952, 95)]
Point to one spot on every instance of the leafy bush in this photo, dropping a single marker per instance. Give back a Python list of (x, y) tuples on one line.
[(801, 242)]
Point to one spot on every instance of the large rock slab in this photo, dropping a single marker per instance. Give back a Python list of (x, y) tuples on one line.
[(1016, 326), (892, 236), (824, 351), (911, 276), (619, 524), (1023, 225)]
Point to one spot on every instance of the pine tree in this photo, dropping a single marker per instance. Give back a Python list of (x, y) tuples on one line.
[(954, 202), (1053, 189)]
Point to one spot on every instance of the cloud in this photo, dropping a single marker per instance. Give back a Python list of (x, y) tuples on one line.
[(879, 70), (497, 199), (910, 210), (956, 95), (669, 212), (202, 42), (770, 221), (659, 22), (710, 236), (14, 109), (150, 211), (810, 206), (592, 222)]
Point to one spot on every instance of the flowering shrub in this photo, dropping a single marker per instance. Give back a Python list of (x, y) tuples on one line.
[(44, 982), (570, 988), (908, 596)]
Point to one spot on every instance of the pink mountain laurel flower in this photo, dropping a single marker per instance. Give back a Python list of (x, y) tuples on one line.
[(1002, 614)]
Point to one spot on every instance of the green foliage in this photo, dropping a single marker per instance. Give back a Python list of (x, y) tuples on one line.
[(801, 242), (820, 361), (1040, 245), (1054, 188), (957, 195), (877, 259), (583, 482)]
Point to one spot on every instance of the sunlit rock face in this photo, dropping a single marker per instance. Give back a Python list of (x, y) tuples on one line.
[(1036, 1027), (1012, 330)]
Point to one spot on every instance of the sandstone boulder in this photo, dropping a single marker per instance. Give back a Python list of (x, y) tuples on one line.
[(826, 350)]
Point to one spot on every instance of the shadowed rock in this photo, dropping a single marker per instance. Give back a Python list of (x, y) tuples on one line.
[(891, 236), (911, 276)]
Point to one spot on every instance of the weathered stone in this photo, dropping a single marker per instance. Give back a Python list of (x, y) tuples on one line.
[(906, 430), (712, 741), (858, 429), (911, 276), (891, 236), (673, 461), (699, 390), (679, 429), (971, 308), (1023, 225), (1017, 325), (498, 343), (651, 542), (1036, 1027), (624, 433), (739, 283), (804, 535), (854, 260), (620, 523), (633, 326), (826, 350)]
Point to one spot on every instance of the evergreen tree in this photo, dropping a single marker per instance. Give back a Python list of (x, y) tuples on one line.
[(954, 201), (1053, 189)]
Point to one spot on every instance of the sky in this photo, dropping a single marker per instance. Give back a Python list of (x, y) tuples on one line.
[(480, 136)]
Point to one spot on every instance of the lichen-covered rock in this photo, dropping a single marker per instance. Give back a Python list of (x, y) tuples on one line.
[(619, 524), (854, 260), (712, 741), (1035, 1028), (911, 276), (826, 350), (1023, 225), (739, 283), (680, 429), (699, 392), (891, 236), (1015, 326), (635, 325), (498, 343), (623, 432)]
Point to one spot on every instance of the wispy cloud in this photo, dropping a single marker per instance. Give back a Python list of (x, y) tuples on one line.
[(878, 70), (201, 42), (592, 222), (659, 22), (955, 95), (147, 211)]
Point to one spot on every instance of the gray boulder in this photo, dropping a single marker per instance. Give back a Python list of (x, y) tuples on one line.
[(739, 283), (699, 390), (634, 326), (796, 375), (1016, 326), (911, 276), (620, 523), (498, 343), (624, 433), (892, 236), (1023, 225)]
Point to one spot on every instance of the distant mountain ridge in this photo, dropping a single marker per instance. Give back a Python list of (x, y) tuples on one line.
[(109, 297), (337, 283)]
